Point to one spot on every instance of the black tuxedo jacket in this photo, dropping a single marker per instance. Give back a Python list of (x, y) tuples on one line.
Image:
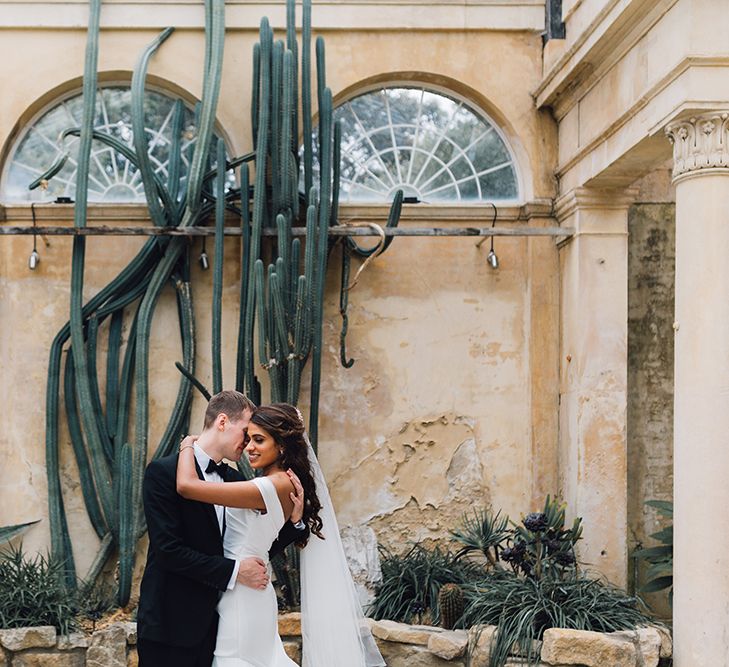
[(186, 570)]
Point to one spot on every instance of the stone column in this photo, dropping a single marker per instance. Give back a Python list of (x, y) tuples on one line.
[(593, 373), (701, 390)]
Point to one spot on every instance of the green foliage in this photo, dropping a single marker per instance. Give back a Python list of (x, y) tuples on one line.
[(533, 581), (660, 558), (33, 592), (524, 607), (538, 546), (7, 533), (411, 583), (484, 532)]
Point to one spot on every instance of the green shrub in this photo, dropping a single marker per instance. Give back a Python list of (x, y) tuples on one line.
[(32, 592), (411, 582), (523, 607)]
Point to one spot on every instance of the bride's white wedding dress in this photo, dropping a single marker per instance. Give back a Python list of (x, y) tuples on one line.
[(248, 628)]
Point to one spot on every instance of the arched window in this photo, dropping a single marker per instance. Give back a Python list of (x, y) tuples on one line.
[(112, 178), (435, 147)]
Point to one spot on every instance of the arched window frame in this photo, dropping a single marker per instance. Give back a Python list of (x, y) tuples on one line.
[(71, 92), (445, 208)]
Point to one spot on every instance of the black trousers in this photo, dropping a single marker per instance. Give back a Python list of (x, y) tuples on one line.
[(155, 654)]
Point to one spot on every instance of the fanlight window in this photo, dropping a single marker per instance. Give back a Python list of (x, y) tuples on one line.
[(112, 178), (436, 148)]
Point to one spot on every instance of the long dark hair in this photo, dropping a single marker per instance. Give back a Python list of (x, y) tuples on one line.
[(284, 424)]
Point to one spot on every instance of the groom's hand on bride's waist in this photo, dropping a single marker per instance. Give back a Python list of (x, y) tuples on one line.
[(253, 573)]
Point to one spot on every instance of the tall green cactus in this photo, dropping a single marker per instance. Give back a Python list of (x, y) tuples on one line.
[(281, 303)]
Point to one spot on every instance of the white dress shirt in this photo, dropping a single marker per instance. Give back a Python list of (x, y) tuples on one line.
[(203, 459)]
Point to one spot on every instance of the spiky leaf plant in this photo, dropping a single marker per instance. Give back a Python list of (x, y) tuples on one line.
[(7, 533), (483, 532), (660, 558), (411, 583), (32, 592), (524, 607)]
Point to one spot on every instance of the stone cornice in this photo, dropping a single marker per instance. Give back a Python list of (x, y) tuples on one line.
[(700, 144), (681, 69), (245, 14), (593, 199), (612, 33)]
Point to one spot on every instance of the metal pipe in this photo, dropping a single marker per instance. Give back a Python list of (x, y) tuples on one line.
[(342, 230)]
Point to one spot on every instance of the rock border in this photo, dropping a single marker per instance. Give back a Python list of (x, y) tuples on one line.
[(402, 645)]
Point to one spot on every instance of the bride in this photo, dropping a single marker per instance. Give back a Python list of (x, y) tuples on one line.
[(334, 631)]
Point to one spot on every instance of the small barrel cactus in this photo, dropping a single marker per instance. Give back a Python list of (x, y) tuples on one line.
[(450, 604)]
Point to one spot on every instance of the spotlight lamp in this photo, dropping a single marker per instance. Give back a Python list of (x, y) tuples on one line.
[(204, 261), (492, 258), (34, 258)]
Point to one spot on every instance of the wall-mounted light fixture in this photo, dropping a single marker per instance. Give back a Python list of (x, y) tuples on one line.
[(204, 261), (34, 258), (491, 258)]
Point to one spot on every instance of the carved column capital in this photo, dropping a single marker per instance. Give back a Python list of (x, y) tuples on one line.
[(700, 143)]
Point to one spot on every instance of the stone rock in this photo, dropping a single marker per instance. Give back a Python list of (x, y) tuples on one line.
[(397, 654), (289, 625), (19, 639), (480, 638), (666, 641), (448, 645), (293, 650), (132, 657), (647, 641), (108, 647), (56, 659), (405, 634), (3, 659), (130, 630), (592, 649), (72, 641)]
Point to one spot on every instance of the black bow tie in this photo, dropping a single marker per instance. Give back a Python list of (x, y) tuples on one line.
[(221, 468)]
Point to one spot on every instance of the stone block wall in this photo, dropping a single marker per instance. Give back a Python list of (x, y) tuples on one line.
[(401, 645)]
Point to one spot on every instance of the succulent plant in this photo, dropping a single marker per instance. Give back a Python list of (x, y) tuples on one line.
[(536, 522), (450, 605)]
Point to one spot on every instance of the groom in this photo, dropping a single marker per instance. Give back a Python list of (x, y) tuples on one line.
[(186, 571)]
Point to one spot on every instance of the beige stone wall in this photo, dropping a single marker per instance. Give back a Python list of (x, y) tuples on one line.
[(452, 402)]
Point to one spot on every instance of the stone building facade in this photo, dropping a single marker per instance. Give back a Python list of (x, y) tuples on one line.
[(472, 386)]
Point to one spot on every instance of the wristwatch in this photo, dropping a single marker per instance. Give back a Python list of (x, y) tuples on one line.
[(300, 525)]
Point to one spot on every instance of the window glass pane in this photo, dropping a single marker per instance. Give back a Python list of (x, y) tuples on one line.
[(434, 147), (112, 177)]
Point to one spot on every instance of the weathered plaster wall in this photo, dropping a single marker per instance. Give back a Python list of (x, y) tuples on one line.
[(651, 259), (434, 417), (452, 402)]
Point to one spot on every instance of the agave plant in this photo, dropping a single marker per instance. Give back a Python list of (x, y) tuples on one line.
[(7, 533), (483, 532)]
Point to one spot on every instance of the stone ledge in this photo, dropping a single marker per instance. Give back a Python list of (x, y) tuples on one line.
[(402, 645)]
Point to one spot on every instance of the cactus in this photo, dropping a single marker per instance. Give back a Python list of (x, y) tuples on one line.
[(281, 301), (450, 605)]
